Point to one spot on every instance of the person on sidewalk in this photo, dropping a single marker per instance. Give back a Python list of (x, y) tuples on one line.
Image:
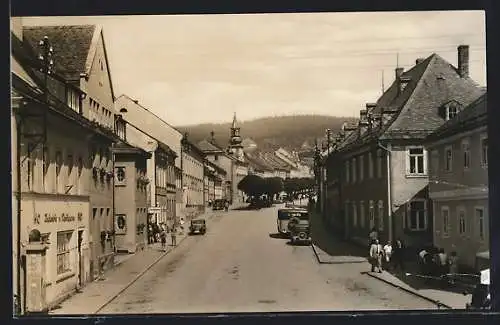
[(226, 206), (398, 255), (387, 255), (376, 252), (163, 238), (173, 236), (443, 262), (372, 236)]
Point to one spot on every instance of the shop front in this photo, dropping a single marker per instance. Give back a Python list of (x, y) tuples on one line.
[(62, 221)]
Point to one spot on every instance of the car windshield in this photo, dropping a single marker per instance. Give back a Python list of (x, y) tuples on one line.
[(198, 222), (286, 215)]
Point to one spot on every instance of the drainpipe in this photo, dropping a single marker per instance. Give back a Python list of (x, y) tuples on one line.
[(389, 189), (113, 195), (20, 305)]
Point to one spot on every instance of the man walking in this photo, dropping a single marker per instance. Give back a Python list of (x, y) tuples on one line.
[(173, 235), (376, 256), (163, 238)]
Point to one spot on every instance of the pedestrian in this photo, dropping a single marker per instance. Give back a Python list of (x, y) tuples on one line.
[(376, 252), (443, 261), (387, 255), (173, 235), (453, 264), (163, 238), (373, 235), (398, 255), (226, 206)]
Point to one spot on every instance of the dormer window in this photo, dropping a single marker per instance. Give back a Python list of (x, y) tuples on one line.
[(403, 83), (450, 110)]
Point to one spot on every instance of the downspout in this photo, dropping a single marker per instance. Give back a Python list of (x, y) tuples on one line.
[(113, 196), (20, 305), (389, 189)]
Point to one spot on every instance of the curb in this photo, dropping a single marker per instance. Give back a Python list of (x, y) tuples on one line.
[(138, 276), (320, 262), (437, 302)]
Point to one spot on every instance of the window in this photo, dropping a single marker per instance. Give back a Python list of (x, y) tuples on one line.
[(480, 222), (417, 216), (354, 214), (416, 161), (381, 215), (362, 214), (379, 163), (216, 157), (120, 176), (63, 252), (121, 223), (466, 153), (448, 159), (354, 166), (371, 214), (58, 168), (361, 168), (347, 171), (73, 99), (451, 111), (445, 216), (484, 151), (462, 229), (45, 167), (370, 165)]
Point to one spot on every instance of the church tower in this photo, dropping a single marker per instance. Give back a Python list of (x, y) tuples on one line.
[(235, 143)]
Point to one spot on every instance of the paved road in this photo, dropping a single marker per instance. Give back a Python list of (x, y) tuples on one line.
[(238, 266)]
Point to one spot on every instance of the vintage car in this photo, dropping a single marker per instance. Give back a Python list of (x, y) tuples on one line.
[(219, 204), (198, 226), (299, 229), (284, 216)]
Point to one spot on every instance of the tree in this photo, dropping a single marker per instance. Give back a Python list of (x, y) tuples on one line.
[(252, 185), (274, 186)]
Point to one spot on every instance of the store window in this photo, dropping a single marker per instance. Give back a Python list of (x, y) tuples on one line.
[(63, 252)]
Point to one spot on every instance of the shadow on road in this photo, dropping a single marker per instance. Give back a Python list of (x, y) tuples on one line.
[(417, 281), (278, 236), (289, 243), (331, 243)]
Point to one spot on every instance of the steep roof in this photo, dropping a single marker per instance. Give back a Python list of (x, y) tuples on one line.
[(71, 46), (473, 116), (258, 163), (74, 48), (416, 109), (208, 147)]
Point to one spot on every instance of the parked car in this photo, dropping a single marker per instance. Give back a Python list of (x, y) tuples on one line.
[(300, 229), (198, 226), (218, 204), (284, 216)]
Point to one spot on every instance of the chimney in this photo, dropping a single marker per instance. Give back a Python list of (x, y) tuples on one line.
[(419, 60), (399, 72), (463, 61), (370, 107)]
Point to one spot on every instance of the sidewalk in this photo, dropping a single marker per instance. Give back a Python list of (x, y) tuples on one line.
[(444, 298), (331, 250), (95, 295)]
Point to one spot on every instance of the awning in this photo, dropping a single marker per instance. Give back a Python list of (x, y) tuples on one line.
[(485, 277), (484, 255)]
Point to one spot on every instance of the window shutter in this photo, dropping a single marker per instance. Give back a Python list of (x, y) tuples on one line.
[(407, 154), (426, 161)]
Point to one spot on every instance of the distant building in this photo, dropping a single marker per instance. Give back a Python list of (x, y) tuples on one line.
[(458, 183)]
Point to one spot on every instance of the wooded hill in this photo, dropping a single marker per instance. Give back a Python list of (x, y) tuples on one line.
[(289, 132)]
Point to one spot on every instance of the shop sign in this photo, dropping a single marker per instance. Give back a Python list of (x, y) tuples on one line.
[(56, 218)]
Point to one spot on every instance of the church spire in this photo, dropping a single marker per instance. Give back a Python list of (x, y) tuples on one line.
[(234, 121)]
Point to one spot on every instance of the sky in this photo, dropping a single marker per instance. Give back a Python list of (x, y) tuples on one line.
[(192, 69)]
